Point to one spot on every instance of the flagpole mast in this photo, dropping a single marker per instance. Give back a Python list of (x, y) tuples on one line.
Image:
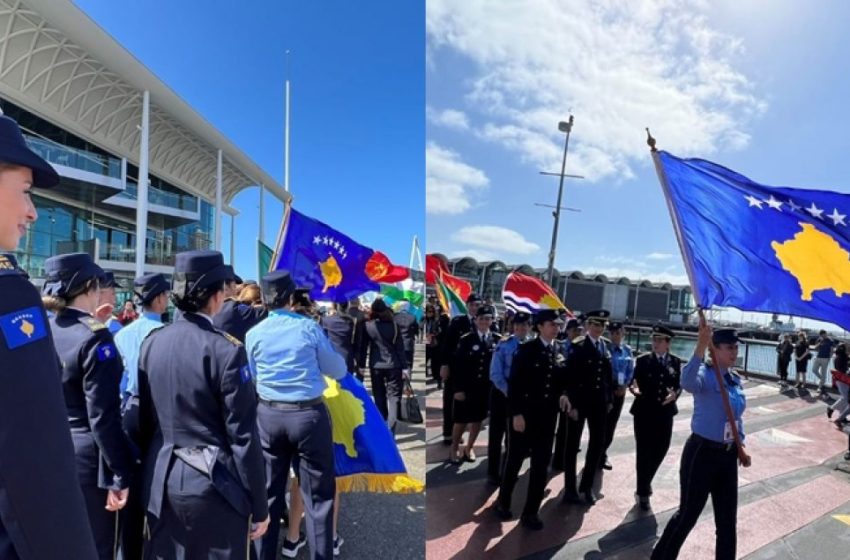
[(286, 130), (743, 457), (550, 272)]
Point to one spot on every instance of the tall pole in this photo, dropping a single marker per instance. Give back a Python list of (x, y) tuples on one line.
[(262, 224), (142, 194), (218, 203), (232, 240), (550, 273), (286, 131)]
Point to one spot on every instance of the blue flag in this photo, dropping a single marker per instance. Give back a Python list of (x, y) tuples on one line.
[(366, 457), (321, 257), (757, 247)]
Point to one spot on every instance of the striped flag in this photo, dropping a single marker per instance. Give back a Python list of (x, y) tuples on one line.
[(529, 294), (450, 300)]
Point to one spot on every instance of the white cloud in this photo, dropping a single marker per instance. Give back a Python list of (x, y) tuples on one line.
[(660, 256), (449, 181), (449, 118), (495, 238), (619, 66), (635, 274), (479, 256)]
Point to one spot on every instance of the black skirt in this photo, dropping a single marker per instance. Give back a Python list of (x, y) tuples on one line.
[(475, 407)]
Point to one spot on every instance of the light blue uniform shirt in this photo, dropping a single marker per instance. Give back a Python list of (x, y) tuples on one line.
[(129, 342), (622, 364), (288, 354), (709, 419), (113, 325), (500, 365)]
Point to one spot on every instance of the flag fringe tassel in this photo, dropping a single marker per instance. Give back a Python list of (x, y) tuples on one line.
[(379, 483)]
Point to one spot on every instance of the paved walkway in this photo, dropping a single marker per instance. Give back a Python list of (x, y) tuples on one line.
[(791, 501)]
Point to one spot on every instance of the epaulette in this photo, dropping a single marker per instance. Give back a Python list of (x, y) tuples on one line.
[(231, 338), (6, 266), (578, 339), (93, 324), (642, 354), (605, 340)]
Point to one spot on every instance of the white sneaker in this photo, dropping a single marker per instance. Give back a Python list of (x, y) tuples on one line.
[(337, 544), (290, 549)]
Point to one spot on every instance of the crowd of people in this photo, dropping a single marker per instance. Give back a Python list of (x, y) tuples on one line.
[(171, 439), (540, 379)]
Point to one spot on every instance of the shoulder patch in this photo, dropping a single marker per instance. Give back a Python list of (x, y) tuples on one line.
[(245, 373), (106, 351), (231, 338), (23, 327), (92, 323)]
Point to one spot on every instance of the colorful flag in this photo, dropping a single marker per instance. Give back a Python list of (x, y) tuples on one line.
[(336, 267), (529, 294), (380, 269), (450, 300), (756, 247), (406, 290), (264, 258), (365, 453), (434, 266)]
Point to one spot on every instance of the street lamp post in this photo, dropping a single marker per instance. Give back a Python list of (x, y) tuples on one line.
[(563, 127)]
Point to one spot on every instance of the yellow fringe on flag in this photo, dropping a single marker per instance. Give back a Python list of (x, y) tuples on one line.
[(379, 483)]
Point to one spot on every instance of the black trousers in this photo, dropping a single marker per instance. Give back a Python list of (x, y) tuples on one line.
[(611, 423), (706, 470), (783, 368), (652, 440), (131, 519), (496, 432), (386, 390), (448, 407), (560, 454), (595, 417), (536, 440), (196, 522), (303, 439), (102, 521)]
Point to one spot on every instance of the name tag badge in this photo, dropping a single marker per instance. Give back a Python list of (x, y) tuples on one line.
[(728, 436)]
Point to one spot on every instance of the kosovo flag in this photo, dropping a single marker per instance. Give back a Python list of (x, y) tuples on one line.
[(366, 458), (758, 247), (331, 263)]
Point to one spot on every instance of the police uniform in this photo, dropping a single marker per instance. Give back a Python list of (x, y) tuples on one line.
[(288, 355), (204, 471), (237, 318), (655, 377), (559, 456), (458, 326), (471, 373), (500, 371), (535, 386), (709, 459), (590, 391), (622, 366), (91, 377), (129, 342), (346, 334)]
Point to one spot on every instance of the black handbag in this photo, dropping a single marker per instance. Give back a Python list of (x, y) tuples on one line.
[(409, 410)]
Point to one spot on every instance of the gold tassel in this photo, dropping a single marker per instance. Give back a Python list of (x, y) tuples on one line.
[(379, 483)]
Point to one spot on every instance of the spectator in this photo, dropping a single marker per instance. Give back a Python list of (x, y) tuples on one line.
[(784, 351), (823, 346), (839, 375), (802, 354), (387, 361)]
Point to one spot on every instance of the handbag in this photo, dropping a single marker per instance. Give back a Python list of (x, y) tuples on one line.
[(409, 410)]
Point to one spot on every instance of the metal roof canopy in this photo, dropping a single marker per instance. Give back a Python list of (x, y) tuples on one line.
[(58, 63)]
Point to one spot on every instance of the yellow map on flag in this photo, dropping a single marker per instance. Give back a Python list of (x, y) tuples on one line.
[(816, 260)]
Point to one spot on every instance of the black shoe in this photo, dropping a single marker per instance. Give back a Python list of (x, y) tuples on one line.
[(606, 464), (502, 512), (589, 497), (829, 412), (447, 442), (531, 522), (571, 498), (643, 502), (558, 467)]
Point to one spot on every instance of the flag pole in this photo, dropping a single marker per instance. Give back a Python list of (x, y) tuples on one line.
[(281, 235), (743, 457)]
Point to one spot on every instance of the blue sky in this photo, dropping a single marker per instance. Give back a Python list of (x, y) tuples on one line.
[(754, 86), (357, 112)]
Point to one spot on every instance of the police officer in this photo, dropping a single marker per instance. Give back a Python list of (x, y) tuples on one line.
[(655, 387), (104, 310), (471, 385), (500, 372), (622, 366), (91, 377), (346, 334), (536, 389), (710, 458), (288, 354), (568, 332), (237, 318), (458, 327), (151, 291), (590, 391), (198, 423), (35, 444)]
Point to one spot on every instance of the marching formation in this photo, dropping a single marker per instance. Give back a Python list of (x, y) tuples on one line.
[(542, 381)]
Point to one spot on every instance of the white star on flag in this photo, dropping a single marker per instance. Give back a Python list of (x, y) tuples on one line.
[(814, 211), (317, 240), (773, 203), (837, 218), (794, 206), (336, 244), (325, 240), (754, 201)]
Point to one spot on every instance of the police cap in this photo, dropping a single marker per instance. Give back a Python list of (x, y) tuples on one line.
[(14, 150), (521, 317), (108, 280), (547, 315), (149, 286), (724, 336), (277, 285), (486, 310), (473, 298), (615, 326), (65, 274), (196, 270), (599, 316), (573, 324), (662, 332)]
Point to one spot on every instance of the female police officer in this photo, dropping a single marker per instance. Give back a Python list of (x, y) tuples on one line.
[(197, 420), (710, 459), (36, 452), (91, 377)]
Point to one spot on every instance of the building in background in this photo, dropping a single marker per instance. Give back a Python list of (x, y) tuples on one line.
[(79, 97)]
